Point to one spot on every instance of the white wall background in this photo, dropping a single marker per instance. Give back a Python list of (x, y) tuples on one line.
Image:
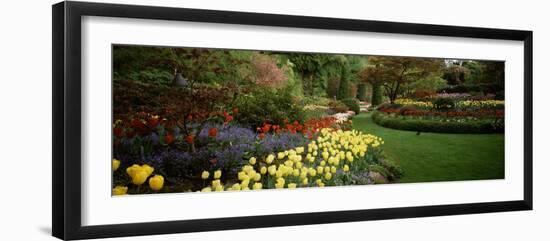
[(25, 119)]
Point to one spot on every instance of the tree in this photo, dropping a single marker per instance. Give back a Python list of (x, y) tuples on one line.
[(344, 88), (362, 91), (392, 73), (308, 66), (265, 71)]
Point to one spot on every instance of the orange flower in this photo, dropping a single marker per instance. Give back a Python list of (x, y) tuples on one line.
[(261, 136), (153, 122), (190, 139), (169, 138), (213, 132), (117, 131)]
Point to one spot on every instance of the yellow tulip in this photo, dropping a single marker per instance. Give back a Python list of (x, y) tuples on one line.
[(325, 155), (263, 170), (248, 168), (132, 169), (156, 182), (218, 188), (216, 183), (206, 189), (328, 175), (333, 169), (305, 181), (139, 177), (272, 170), (312, 172), (346, 168), (291, 185), (245, 183), (120, 190), (257, 186), (217, 174), (281, 155), (320, 169), (148, 169), (115, 164), (252, 160), (299, 150), (242, 176), (236, 187), (205, 175), (269, 159), (257, 177)]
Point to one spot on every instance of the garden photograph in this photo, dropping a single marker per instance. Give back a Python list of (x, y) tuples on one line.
[(188, 119)]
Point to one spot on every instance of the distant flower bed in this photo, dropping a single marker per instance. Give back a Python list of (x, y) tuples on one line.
[(440, 124), (443, 114)]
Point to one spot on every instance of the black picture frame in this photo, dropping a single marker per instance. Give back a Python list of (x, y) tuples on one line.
[(66, 47)]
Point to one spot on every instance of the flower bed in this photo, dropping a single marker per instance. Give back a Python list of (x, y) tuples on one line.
[(219, 154), (443, 114), (441, 124)]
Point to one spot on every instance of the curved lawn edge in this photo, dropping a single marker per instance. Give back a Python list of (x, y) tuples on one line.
[(470, 127)]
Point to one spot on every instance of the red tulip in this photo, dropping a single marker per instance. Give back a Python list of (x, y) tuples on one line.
[(190, 139), (213, 132), (117, 131), (169, 138)]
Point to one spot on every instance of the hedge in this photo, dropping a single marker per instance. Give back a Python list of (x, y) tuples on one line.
[(472, 127)]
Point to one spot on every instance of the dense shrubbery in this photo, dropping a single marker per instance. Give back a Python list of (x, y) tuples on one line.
[(465, 88), (442, 125), (443, 103), (266, 105), (362, 92), (352, 104), (338, 106)]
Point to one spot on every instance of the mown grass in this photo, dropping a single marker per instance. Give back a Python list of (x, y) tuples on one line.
[(429, 157)]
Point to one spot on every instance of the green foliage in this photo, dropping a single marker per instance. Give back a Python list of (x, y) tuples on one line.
[(344, 88), (264, 105), (437, 125), (309, 66), (314, 114), (444, 103), (154, 64), (352, 104), (338, 106), (332, 87), (394, 73), (393, 170), (376, 98), (467, 88), (430, 84), (362, 92)]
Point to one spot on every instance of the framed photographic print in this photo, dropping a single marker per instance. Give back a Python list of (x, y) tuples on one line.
[(231, 120)]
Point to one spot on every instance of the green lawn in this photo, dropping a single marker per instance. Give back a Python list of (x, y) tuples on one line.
[(439, 157)]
